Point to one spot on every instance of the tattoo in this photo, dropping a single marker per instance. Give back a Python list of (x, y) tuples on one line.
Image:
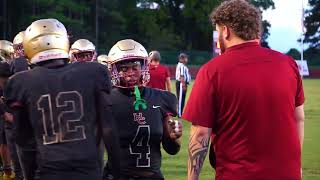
[(198, 148)]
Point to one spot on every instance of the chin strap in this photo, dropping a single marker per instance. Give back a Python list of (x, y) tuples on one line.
[(139, 101)]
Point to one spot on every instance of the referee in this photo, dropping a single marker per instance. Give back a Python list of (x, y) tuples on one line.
[(182, 80)]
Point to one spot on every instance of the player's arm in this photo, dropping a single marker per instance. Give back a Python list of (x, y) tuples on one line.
[(198, 148), (15, 104), (171, 138), (299, 114), (23, 129), (109, 132)]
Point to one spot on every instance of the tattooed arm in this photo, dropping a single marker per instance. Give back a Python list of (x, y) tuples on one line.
[(198, 148)]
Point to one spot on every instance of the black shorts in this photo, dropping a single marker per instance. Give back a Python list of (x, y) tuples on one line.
[(3, 139)]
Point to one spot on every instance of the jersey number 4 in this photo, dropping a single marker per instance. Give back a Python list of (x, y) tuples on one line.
[(140, 146), (62, 118)]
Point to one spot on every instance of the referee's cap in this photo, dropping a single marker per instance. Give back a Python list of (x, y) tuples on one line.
[(183, 55), (154, 55)]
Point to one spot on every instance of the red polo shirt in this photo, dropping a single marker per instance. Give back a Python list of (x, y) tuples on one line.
[(248, 96), (158, 76)]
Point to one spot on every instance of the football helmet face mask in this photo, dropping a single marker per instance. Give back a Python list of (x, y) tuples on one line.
[(18, 46), (83, 50), (103, 59), (6, 50), (46, 39), (128, 64)]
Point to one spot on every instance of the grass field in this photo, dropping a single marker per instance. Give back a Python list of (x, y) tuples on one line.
[(175, 167)]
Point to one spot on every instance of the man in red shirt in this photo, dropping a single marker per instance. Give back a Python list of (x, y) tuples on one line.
[(251, 98), (159, 74)]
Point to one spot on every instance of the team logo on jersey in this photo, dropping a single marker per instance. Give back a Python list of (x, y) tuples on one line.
[(138, 117)]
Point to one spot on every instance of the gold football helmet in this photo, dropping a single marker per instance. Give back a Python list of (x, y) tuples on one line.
[(6, 50), (46, 39), (103, 59), (128, 50), (83, 50), (17, 45)]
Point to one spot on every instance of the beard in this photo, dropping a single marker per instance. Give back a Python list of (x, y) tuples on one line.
[(222, 43)]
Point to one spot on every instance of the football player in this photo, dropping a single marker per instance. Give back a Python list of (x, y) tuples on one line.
[(28, 161), (143, 115), (82, 50), (19, 63), (6, 55), (66, 106)]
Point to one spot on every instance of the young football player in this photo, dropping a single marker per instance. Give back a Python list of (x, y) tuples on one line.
[(82, 50), (143, 115), (23, 158), (64, 106), (6, 55), (19, 63)]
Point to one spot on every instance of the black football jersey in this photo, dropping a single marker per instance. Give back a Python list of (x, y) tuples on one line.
[(141, 131), (18, 65), (61, 108)]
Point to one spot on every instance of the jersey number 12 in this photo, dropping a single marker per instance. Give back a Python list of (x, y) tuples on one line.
[(61, 117)]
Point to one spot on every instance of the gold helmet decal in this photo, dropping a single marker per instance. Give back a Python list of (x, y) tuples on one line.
[(126, 50), (83, 50), (6, 50), (46, 39)]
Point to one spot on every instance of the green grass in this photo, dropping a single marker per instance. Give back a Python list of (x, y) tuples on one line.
[(175, 167)]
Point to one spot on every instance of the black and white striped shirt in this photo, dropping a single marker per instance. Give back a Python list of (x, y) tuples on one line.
[(182, 71)]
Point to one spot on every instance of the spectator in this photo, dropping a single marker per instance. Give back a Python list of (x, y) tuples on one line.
[(159, 74)]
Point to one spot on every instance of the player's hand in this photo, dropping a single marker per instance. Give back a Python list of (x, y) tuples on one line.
[(175, 129), (8, 117)]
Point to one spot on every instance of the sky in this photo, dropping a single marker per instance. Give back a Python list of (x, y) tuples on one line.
[(285, 22)]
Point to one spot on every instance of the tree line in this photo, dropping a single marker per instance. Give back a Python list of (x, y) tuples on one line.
[(165, 25)]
